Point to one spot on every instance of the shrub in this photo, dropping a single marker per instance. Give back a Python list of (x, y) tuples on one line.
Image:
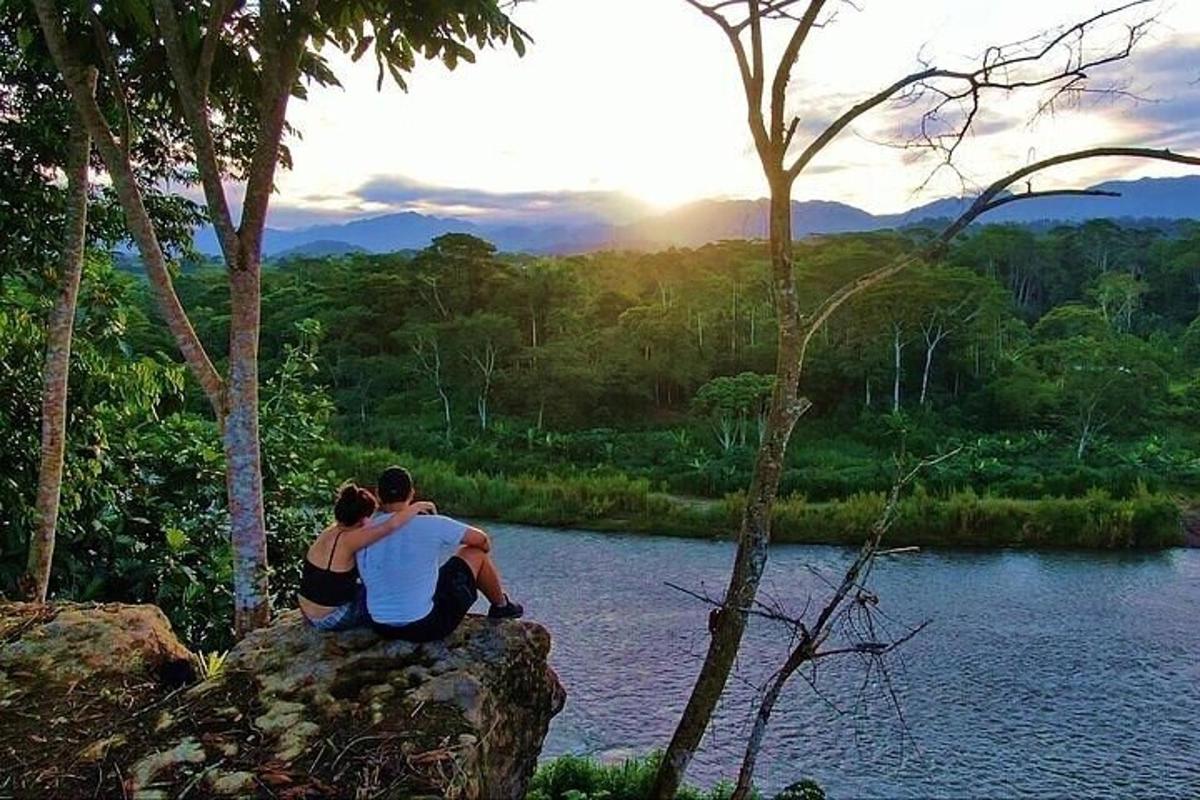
[(580, 778)]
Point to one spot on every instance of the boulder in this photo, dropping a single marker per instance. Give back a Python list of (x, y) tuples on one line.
[(293, 712), (70, 674), (73, 642)]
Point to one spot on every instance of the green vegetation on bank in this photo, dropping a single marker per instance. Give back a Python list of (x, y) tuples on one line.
[(615, 502), (1062, 360), (621, 392), (576, 778)]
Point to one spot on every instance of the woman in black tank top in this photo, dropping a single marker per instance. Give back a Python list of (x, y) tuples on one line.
[(331, 597)]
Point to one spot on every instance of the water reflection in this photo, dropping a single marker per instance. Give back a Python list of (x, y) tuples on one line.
[(1062, 674)]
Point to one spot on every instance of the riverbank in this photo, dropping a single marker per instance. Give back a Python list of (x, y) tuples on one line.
[(614, 502)]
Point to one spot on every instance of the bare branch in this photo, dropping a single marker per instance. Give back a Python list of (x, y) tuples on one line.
[(114, 78), (808, 649), (841, 123), (987, 200), (783, 72), (1002, 68), (875, 648), (218, 13), (751, 83), (280, 71), (759, 609), (1032, 195), (195, 110)]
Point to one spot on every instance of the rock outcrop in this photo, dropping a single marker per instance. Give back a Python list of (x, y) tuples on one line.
[(291, 713)]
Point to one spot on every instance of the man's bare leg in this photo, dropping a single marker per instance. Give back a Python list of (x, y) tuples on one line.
[(487, 577)]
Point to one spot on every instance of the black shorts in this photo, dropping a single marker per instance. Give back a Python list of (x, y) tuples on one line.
[(452, 599)]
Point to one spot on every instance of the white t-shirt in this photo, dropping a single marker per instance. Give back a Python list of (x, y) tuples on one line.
[(400, 570)]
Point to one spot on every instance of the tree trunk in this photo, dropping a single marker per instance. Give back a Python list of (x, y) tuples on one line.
[(58, 361), (441, 390), (137, 219), (897, 349), (733, 324), (481, 406), (251, 598), (931, 344), (728, 624), (757, 731), (1085, 433)]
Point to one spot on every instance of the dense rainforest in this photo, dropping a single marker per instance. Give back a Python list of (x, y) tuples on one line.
[(625, 390), (1067, 360)]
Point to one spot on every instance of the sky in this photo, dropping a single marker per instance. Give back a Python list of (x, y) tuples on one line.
[(623, 108)]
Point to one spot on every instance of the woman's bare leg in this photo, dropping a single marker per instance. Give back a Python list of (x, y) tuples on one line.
[(487, 577)]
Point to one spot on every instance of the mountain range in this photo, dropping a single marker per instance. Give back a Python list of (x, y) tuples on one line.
[(707, 221)]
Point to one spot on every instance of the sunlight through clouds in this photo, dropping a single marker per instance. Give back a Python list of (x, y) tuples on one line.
[(640, 99)]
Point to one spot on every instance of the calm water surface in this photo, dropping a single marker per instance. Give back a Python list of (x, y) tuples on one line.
[(1044, 675)]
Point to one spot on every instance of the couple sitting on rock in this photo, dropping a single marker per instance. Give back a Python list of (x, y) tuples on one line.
[(396, 544)]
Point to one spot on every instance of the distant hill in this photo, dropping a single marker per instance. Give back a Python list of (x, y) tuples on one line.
[(320, 249), (712, 220), (412, 231), (1148, 198), (707, 221)]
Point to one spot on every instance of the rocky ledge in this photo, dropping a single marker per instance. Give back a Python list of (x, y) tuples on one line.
[(99, 701)]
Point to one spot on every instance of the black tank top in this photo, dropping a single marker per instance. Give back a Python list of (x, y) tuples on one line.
[(327, 587)]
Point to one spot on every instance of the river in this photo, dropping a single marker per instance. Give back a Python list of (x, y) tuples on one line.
[(1040, 674)]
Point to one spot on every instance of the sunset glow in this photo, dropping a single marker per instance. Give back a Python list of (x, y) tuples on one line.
[(648, 105)]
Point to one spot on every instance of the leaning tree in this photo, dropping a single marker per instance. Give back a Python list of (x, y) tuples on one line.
[(947, 103), (278, 49), (54, 207)]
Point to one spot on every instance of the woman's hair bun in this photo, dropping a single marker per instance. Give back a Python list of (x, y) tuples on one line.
[(353, 504)]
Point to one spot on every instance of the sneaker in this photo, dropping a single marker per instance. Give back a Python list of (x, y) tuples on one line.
[(509, 610)]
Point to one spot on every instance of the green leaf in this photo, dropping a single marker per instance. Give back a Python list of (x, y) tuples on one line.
[(176, 539)]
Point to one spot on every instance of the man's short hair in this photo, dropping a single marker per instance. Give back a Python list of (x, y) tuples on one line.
[(395, 485)]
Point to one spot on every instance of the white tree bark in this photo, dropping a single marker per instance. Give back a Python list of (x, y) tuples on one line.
[(59, 331)]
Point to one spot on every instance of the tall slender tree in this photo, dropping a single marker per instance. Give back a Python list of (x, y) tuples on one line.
[(58, 360), (52, 211), (1058, 62), (272, 46)]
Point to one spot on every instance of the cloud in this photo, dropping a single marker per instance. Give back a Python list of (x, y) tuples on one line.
[(1164, 105), (391, 194), (400, 193)]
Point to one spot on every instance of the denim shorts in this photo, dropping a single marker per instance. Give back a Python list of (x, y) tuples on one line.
[(344, 617)]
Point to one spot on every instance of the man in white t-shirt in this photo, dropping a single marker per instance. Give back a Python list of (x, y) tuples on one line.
[(413, 591)]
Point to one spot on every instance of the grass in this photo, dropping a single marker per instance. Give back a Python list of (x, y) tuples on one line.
[(210, 665), (579, 778), (615, 502), (964, 519)]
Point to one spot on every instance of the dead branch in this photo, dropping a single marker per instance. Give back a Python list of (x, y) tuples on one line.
[(810, 639), (991, 198), (1016, 66), (1058, 60)]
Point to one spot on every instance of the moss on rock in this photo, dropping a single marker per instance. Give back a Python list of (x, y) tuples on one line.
[(315, 714)]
